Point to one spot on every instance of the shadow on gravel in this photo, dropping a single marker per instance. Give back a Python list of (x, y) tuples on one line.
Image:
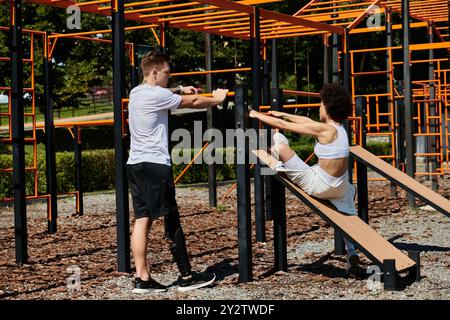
[(416, 246), (419, 247), (223, 269), (321, 267)]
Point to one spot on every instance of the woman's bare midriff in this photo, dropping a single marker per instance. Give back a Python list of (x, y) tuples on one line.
[(334, 167)]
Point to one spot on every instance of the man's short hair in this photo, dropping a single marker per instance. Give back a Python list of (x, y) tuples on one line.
[(153, 60)]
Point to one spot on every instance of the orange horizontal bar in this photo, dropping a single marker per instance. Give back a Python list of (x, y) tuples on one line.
[(229, 94), (302, 93)]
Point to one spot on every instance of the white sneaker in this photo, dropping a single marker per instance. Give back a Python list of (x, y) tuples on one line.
[(279, 138)]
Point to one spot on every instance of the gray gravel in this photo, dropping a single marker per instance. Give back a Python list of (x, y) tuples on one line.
[(421, 229)]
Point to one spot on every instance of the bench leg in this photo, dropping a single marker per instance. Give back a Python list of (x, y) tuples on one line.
[(390, 275), (414, 273), (339, 245)]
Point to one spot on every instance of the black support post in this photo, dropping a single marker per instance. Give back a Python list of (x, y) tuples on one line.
[(78, 171), (18, 140), (432, 140), (414, 273), (335, 52), (266, 102), (390, 83), (243, 186), (50, 152), (274, 85), (390, 275), (256, 102), (408, 105), (279, 202), (210, 119), (361, 169), (134, 72), (346, 83), (339, 244), (400, 131), (335, 57), (122, 211)]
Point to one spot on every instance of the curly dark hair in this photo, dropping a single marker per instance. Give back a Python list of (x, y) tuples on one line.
[(337, 101)]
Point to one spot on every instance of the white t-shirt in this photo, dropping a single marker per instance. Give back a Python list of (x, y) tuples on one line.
[(148, 121)]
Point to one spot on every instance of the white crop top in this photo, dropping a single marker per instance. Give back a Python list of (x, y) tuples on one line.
[(339, 148)]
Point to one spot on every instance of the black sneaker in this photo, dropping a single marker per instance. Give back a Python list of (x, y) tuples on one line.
[(148, 286), (196, 280)]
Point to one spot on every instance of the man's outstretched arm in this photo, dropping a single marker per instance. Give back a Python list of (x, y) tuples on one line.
[(200, 102)]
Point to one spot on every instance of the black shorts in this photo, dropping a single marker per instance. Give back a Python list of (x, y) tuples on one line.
[(152, 190)]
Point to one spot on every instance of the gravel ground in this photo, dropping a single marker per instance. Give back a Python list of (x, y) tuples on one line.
[(314, 272)]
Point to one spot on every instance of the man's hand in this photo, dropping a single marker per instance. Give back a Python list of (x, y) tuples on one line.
[(277, 114), (191, 90), (220, 95)]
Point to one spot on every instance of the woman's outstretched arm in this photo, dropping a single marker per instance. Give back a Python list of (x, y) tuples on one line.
[(289, 117), (323, 132)]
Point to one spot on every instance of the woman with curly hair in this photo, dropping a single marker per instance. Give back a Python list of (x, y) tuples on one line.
[(328, 179)]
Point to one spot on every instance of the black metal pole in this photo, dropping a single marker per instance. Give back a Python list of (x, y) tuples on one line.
[(50, 152), (335, 52), (346, 83), (243, 186), (400, 132), (122, 213), (274, 85), (18, 136), (335, 57), (432, 141), (274, 65), (266, 102), (279, 202), (256, 102), (78, 165), (408, 106), (363, 191), (211, 117), (135, 70), (390, 275), (389, 85)]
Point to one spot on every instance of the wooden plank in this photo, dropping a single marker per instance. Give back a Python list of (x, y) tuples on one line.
[(353, 228), (403, 180)]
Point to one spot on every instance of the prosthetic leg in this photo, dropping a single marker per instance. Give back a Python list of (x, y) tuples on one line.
[(178, 247)]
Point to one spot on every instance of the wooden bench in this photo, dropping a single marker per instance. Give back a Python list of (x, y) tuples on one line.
[(375, 247), (403, 180)]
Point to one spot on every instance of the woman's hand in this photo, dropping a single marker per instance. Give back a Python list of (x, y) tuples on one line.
[(277, 114), (253, 114)]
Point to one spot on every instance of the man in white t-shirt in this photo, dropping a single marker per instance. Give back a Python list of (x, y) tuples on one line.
[(150, 172)]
